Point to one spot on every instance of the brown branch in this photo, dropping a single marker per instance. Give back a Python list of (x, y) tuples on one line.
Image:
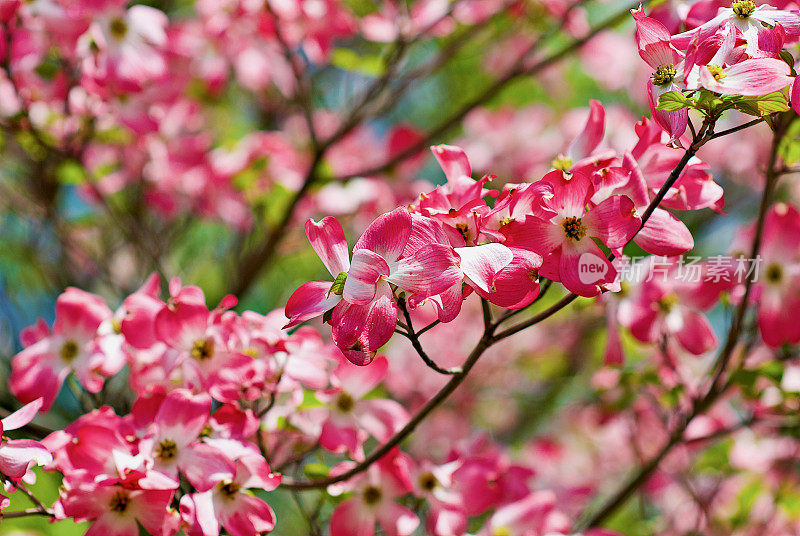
[(412, 336)]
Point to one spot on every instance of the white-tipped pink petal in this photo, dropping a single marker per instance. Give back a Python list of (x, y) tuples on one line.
[(348, 519), (182, 416), (17, 455), (358, 381), (664, 234), (749, 78), (366, 269), (327, 239), (22, 416), (517, 284), (614, 221), (592, 133), (482, 263), (653, 40), (204, 466)]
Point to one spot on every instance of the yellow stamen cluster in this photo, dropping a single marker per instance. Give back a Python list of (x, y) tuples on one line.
[(743, 8), (716, 72), (562, 163), (664, 75)]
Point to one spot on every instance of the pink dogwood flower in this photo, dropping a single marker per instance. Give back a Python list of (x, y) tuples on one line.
[(669, 303), (228, 505), (667, 63), (565, 241), (535, 515), (175, 443), (117, 509), (751, 21), (777, 286), (123, 46), (374, 493), (353, 417), (73, 346), (725, 75), (363, 318)]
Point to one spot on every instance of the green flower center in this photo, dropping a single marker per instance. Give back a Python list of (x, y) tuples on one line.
[(664, 75), (345, 402), (228, 488), (167, 450), (69, 350), (774, 273), (574, 228), (203, 349), (372, 495), (667, 303), (118, 29), (428, 482)]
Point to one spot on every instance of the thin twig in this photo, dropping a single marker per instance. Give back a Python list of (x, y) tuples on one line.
[(737, 128), (414, 338)]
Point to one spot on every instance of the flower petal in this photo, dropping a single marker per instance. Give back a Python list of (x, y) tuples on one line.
[(327, 239), (366, 269)]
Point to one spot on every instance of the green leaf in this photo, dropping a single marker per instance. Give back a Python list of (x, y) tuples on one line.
[(70, 172), (764, 104), (114, 136), (786, 56), (349, 60), (338, 284), (672, 101), (316, 470)]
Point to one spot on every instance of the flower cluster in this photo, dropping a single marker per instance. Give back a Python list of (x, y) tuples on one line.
[(735, 53), (451, 242), (198, 419)]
